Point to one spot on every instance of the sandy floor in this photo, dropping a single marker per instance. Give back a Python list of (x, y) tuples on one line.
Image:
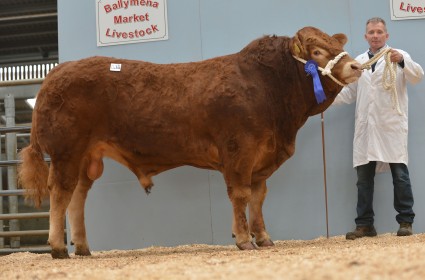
[(384, 257)]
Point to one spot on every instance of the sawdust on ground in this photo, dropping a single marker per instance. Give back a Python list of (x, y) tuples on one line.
[(384, 257)]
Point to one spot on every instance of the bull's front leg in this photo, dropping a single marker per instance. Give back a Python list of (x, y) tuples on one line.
[(239, 196), (238, 158), (256, 220)]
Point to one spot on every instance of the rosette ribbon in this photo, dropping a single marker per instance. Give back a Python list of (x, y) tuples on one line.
[(311, 68)]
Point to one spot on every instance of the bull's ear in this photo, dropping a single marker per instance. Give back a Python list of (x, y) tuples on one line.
[(340, 38), (296, 47)]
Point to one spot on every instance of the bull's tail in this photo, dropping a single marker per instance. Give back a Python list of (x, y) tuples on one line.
[(33, 173)]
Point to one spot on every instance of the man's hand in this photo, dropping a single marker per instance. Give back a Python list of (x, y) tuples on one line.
[(396, 56)]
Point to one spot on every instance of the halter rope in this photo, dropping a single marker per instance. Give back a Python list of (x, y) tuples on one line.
[(327, 70), (389, 76)]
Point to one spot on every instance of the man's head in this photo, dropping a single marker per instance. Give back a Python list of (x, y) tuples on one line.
[(376, 33)]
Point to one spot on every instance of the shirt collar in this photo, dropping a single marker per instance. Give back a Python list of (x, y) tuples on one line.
[(370, 53)]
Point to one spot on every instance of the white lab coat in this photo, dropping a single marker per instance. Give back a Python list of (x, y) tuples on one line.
[(380, 131)]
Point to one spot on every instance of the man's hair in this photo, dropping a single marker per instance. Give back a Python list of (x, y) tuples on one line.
[(377, 20)]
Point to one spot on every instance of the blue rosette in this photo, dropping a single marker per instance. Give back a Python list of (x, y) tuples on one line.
[(311, 68)]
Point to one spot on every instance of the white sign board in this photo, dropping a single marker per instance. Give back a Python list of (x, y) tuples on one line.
[(410, 9), (130, 21)]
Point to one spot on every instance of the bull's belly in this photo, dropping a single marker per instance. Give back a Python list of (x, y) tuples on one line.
[(145, 164)]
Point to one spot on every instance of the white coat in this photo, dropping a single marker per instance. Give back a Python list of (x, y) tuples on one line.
[(380, 131)]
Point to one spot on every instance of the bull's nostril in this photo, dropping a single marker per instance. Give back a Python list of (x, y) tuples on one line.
[(356, 66)]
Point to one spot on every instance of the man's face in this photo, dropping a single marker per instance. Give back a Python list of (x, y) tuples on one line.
[(376, 35)]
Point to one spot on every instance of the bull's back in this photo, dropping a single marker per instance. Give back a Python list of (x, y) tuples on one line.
[(144, 107)]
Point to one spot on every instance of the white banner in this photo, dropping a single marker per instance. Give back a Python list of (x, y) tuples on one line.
[(130, 21), (411, 9)]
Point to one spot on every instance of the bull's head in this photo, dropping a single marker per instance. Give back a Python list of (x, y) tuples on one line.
[(311, 43)]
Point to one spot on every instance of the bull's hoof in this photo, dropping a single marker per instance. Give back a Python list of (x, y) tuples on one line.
[(247, 246), (82, 251), (265, 243), (60, 253)]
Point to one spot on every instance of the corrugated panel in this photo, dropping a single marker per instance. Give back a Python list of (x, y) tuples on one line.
[(28, 31)]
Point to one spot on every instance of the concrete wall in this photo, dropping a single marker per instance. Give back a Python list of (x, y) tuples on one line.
[(189, 205)]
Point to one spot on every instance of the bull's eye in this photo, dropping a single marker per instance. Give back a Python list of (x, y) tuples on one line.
[(316, 52)]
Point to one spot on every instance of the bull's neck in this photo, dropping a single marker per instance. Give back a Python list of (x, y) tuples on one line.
[(297, 101), (288, 88), (306, 86)]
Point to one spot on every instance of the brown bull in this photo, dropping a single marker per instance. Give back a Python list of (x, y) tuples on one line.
[(238, 114)]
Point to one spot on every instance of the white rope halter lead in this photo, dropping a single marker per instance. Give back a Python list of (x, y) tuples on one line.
[(388, 77), (327, 70)]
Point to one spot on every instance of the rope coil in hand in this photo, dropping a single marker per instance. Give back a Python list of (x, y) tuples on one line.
[(389, 75)]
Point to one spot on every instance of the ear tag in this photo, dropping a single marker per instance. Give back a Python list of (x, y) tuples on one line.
[(115, 67)]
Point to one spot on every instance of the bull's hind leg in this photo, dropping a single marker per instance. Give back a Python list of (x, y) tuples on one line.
[(76, 215), (63, 178), (256, 221)]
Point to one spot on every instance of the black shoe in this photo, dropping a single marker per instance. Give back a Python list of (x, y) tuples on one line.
[(361, 231), (405, 229)]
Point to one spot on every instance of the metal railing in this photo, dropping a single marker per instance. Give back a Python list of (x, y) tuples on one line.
[(17, 234), (17, 82), (25, 72)]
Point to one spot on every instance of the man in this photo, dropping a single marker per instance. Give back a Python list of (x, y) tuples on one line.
[(380, 137)]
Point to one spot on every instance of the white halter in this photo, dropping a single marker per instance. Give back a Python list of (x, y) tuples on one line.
[(327, 70)]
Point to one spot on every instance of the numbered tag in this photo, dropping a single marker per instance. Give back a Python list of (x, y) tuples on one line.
[(115, 67)]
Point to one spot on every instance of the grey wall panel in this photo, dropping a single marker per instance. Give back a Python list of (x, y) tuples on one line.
[(227, 26), (121, 215), (77, 36)]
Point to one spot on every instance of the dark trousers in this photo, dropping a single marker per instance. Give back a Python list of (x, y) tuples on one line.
[(403, 196)]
